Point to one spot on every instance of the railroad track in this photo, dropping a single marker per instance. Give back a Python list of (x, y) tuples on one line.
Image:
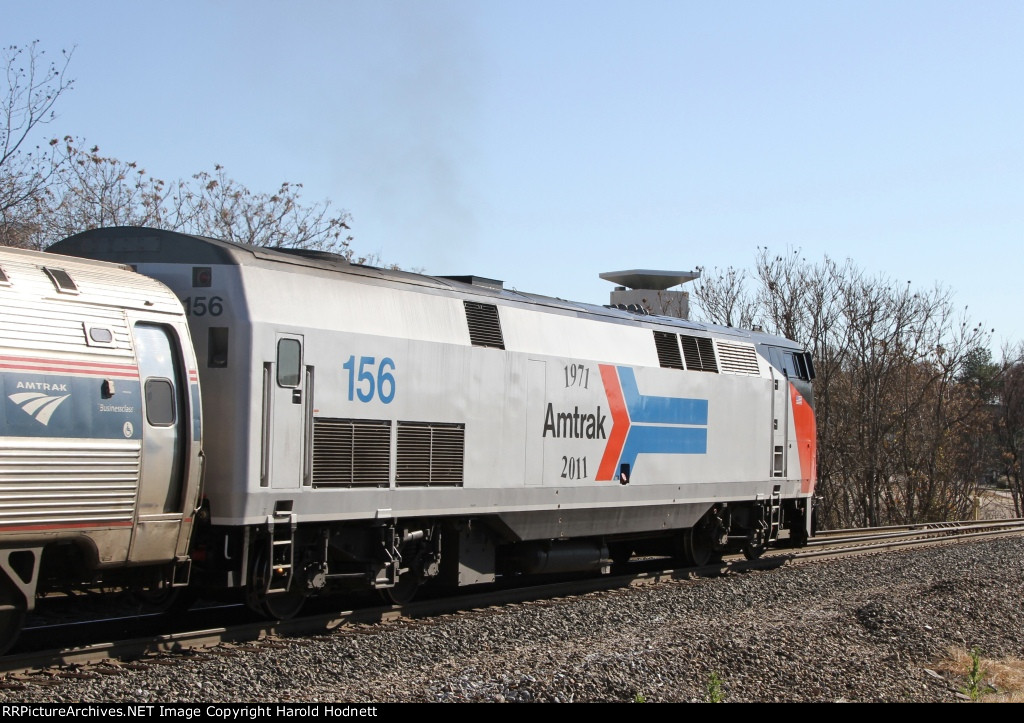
[(106, 646)]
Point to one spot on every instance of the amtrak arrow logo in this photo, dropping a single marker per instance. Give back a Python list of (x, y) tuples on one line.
[(40, 406), (648, 424)]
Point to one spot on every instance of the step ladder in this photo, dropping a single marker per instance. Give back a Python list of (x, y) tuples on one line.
[(281, 534), (774, 513)]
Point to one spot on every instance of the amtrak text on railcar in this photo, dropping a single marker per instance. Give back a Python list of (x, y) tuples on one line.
[(574, 424)]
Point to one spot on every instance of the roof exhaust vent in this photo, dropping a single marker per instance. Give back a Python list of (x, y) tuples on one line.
[(649, 290)]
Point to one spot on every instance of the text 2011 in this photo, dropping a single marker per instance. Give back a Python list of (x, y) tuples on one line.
[(574, 467)]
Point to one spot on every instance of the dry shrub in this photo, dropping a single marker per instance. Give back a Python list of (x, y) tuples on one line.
[(1001, 681)]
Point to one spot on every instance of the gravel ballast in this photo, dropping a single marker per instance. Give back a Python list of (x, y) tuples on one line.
[(873, 628)]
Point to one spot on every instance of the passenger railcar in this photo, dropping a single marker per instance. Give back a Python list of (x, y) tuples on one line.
[(101, 431), (382, 429)]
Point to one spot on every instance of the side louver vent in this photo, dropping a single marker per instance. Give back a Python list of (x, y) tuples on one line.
[(668, 350), (484, 325), (430, 454), (351, 452), (738, 358), (699, 352)]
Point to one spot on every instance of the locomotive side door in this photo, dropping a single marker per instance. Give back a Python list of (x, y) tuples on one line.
[(165, 435), (780, 413), (285, 403), (536, 398)]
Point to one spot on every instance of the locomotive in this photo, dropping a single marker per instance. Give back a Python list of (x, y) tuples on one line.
[(362, 428)]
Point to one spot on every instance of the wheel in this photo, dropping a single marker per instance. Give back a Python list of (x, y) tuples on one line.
[(404, 590), (276, 605), (754, 547), (417, 563), (164, 601), (697, 546), (12, 615), (752, 550)]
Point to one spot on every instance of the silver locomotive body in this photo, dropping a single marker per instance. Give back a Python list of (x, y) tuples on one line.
[(368, 426), (101, 430)]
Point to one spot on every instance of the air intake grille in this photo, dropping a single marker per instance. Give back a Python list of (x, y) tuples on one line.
[(699, 352), (430, 454), (668, 350), (738, 358), (484, 325), (351, 452)]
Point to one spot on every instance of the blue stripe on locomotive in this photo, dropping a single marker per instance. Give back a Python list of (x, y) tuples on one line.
[(656, 422)]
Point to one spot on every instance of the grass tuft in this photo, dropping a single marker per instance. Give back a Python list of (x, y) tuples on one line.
[(714, 689), (987, 680)]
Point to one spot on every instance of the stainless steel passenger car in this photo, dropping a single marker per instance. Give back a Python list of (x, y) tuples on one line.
[(368, 427), (100, 430)]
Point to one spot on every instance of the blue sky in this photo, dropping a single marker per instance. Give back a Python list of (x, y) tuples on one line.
[(543, 143)]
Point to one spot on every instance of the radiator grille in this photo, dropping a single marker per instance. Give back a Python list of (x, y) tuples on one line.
[(699, 352), (351, 452), (484, 325), (668, 350), (67, 484), (430, 454), (738, 358)]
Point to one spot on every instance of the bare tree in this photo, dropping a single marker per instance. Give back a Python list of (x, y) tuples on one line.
[(62, 187), (895, 411), (825, 337), (27, 171), (899, 418), (1010, 425), (782, 294), (723, 299), (226, 209), (93, 191)]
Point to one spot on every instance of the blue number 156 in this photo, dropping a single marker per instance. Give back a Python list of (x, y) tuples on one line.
[(365, 384)]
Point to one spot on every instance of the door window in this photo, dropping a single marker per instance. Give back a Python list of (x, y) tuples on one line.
[(289, 361), (159, 402)]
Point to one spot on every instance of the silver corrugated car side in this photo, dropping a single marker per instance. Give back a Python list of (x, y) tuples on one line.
[(100, 422)]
